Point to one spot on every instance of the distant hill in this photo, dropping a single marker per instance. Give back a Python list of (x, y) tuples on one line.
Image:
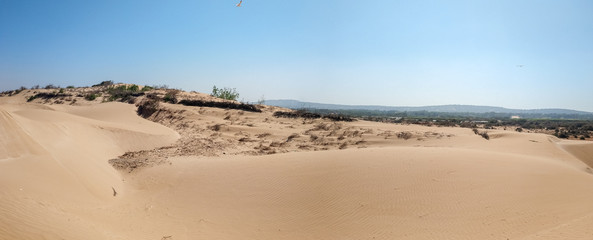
[(294, 104)]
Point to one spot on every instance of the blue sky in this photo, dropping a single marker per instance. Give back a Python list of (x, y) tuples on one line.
[(403, 53)]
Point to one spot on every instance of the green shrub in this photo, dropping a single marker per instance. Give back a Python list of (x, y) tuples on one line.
[(90, 97), (133, 88), (123, 93), (147, 88), (104, 83), (164, 86), (70, 86), (171, 96), (225, 93)]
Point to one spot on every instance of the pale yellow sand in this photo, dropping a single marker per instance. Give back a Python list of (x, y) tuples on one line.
[(444, 183), (53, 166)]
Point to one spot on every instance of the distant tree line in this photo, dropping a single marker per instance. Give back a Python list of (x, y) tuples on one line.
[(578, 126), (466, 115)]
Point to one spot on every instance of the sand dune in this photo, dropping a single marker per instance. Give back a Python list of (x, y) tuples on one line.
[(229, 174), (54, 163), (381, 193)]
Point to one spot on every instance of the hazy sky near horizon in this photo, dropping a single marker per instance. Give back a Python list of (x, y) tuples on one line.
[(516, 54)]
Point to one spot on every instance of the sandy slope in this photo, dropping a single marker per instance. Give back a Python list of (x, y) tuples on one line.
[(582, 150), (443, 183), (53, 165)]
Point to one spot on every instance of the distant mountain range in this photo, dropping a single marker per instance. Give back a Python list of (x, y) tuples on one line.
[(294, 104)]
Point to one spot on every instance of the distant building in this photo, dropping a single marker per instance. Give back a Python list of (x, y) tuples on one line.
[(515, 117)]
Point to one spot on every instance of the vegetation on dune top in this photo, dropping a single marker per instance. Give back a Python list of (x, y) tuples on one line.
[(225, 93), (104, 84), (124, 93), (129, 93), (108, 91), (12, 92), (48, 96)]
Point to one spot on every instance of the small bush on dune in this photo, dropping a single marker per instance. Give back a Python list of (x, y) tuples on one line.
[(146, 88), (164, 86), (133, 88), (123, 93), (104, 84), (171, 96), (483, 134), (225, 93), (90, 97)]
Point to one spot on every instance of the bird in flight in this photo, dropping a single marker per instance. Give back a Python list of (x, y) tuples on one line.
[(239, 4), (520, 66)]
